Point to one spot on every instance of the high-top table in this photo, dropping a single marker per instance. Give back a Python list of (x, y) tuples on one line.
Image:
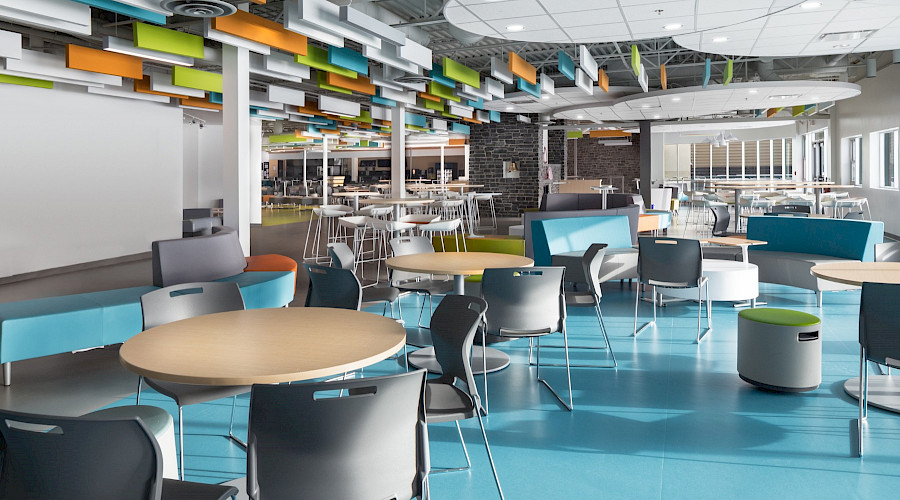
[(396, 202), (262, 346), (460, 265), (884, 390), (738, 187), (355, 195), (604, 190)]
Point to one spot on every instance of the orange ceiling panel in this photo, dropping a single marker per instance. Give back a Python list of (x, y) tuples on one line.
[(662, 77), (603, 80), (199, 103), (143, 86), (457, 142), (255, 28), (101, 61), (521, 68), (471, 120), (359, 84), (429, 97)]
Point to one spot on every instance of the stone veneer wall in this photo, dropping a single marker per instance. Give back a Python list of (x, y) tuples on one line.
[(490, 144), (596, 160)]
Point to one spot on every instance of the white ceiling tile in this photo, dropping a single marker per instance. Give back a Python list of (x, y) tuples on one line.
[(663, 13), (554, 6), (531, 23), (589, 17), (510, 9)]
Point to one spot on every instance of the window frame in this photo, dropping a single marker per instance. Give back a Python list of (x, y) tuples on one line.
[(880, 137)]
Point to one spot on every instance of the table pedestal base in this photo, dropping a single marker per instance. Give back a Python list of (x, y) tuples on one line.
[(496, 360), (884, 391)]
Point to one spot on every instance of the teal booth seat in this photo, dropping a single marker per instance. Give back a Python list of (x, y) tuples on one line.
[(557, 236), (665, 217), (263, 289), (846, 239)]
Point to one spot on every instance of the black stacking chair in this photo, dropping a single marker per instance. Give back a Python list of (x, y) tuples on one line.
[(342, 257), (454, 396), (887, 252), (49, 457), (671, 263), (305, 442), (183, 301)]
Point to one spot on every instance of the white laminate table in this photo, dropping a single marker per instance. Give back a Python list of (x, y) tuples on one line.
[(355, 195)]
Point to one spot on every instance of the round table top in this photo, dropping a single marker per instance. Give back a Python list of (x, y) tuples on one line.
[(857, 273), (355, 193), (459, 263), (395, 201), (262, 346)]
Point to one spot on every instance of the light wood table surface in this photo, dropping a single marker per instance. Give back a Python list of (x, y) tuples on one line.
[(735, 241), (262, 346), (857, 273), (460, 265), (884, 390)]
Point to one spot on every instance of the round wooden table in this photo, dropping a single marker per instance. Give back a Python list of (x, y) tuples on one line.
[(884, 392), (460, 265), (262, 346)]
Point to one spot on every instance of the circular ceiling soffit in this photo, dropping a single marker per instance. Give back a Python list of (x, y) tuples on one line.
[(199, 8)]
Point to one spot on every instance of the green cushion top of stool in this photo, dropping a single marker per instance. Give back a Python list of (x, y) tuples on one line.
[(782, 317)]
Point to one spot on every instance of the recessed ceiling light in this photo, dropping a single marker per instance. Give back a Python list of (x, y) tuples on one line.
[(810, 5), (720, 39), (515, 27), (545, 96), (674, 26), (842, 46), (676, 99), (783, 97), (656, 116), (754, 91), (580, 117), (509, 108)]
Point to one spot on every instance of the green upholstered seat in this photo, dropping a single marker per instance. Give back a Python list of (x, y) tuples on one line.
[(512, 246), (780, 317)]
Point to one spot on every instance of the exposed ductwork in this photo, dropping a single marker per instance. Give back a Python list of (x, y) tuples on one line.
[(464, 37), (765, 69)]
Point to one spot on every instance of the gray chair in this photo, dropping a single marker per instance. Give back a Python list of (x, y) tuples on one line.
[(878, 339), (855, 215), (527, 302), (48, 457), (591, 262), (414, 282), (887, 252), (342, 256), (454, 396), (306, 442), (671, 263), (721, 221), (184, 301), (332, 287)]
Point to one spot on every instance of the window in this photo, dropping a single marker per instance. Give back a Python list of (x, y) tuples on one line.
[(887, 158), (855, 146)]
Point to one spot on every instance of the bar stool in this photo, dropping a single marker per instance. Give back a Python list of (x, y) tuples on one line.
[(444, 227), (382, 232), (450, 209), (489, 198), (850, 204), (329, 213)]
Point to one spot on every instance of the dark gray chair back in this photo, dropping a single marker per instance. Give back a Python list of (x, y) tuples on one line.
[(201, 258), (305, 442), (721, 220), (524, 301), (788, 209), (332, 287), (187, 300), (878, 321), (341, 255), (670, 262), (887, 252), (78, 458), (453, 327), (591, 262)]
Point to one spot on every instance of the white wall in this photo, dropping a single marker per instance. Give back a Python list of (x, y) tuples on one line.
[(203, 174), (877, 108), (84, 177)]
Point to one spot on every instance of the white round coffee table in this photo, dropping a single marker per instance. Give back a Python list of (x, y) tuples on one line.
[(729, 280)]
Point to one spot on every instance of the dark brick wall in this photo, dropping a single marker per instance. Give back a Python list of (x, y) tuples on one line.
[(557, 147), (596, 161), (490, 144)]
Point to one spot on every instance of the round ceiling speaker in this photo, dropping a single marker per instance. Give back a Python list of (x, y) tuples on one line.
[(199, 8), (412, 80)]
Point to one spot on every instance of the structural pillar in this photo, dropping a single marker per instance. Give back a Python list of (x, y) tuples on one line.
[(398, 151), (646, 163), (256, 159), (236, 141), (325, 169)]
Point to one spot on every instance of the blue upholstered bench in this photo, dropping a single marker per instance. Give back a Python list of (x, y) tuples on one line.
[(55, 325), (795, 244), (562, 242)]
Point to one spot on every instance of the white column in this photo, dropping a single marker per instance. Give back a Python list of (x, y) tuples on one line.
[(354, 169), (442, 160), (255, 191), (325, 170), (236, 140), (398, 151), (305, 186), (466, 159)]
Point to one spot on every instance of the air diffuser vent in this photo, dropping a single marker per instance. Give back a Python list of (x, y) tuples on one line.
[(413, 80), (199, 8)]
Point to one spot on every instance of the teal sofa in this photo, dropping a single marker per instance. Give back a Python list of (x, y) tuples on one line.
[(55, 325), (562, 242), (795, 244)]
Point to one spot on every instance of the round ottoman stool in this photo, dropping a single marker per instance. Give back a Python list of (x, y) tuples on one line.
[(160, 424), (779, 349)]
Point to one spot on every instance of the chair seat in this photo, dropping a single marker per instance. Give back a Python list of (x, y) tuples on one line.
[(433, 287), (446, 403), (180, 490), (380, 294), (190, 394), (579, 299)]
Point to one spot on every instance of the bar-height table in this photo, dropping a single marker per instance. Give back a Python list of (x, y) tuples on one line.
[(355, 195), (396, 202), (459, 265), (817, 188), (884, 390)]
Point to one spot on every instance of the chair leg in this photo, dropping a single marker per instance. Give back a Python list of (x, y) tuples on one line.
[(700, 311), (484, 367), (465, 451), (637, 300), (570, 405), (231, 435), (863, 398), (137, 399), (490, 455), (181, 442)]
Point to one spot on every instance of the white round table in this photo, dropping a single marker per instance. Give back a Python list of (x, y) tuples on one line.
[(729, 280)]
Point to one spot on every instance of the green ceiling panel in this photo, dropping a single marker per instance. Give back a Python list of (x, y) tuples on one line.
[(322, 83), (439, 90), (437, 106), (151, 37), (196, 79), (574, 134), (420, 129), (448, 115), (461, 73), (28, 82), (285, 138), (729, 72), (318, 58)]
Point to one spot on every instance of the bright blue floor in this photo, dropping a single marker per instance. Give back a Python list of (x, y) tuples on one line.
[(673, 421)]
